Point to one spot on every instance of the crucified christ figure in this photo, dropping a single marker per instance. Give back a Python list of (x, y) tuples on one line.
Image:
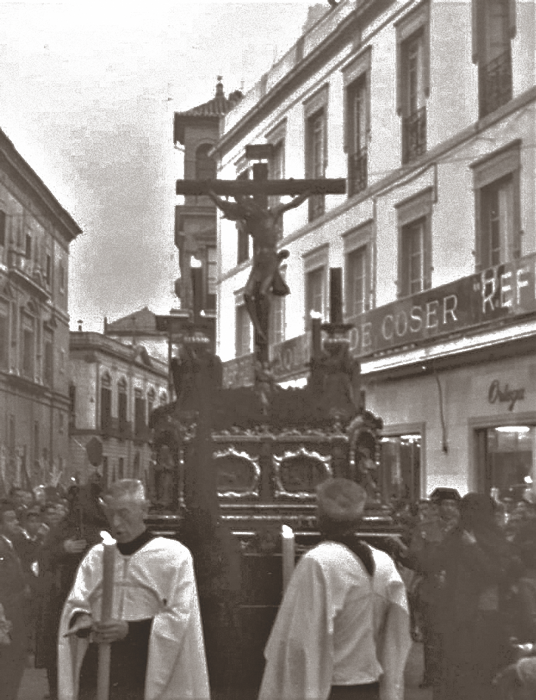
[(261, 223)]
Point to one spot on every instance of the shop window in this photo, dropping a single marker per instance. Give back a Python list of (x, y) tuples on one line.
[(400, 471), (507, 460), (498, 207), (493, 28), (243, 331)]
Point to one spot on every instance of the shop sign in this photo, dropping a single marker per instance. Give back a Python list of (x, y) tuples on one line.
[(507, 290), (495, 293), (291, 357), (503, 394)]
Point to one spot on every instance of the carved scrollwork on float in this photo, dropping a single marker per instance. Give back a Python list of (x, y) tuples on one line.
[(298, 472), (238, 474)]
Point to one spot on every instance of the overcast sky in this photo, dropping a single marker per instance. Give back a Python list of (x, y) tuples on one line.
[(87, 95)]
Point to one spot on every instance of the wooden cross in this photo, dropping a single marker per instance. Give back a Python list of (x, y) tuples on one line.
[(251, 211)]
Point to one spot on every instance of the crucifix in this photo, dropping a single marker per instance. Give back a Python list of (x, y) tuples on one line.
[(252, 213)]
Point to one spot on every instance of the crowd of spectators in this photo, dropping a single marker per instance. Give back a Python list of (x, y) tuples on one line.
[(470, 568), (43, 536)]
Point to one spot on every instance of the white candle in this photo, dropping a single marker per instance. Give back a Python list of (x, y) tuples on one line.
[(108, 562), (288, 548)]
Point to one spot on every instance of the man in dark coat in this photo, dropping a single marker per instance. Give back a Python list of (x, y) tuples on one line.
[(14, 597)]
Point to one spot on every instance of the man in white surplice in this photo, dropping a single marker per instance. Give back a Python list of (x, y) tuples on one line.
[(157, 649), (342, 631)]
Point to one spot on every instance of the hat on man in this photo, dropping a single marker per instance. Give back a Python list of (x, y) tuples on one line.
[(341, 503), (444, 494)]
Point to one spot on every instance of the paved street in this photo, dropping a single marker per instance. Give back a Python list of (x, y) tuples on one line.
[(34, 684)]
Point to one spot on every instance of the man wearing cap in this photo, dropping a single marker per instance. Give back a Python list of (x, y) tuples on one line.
[(426, 537), (342, 631)]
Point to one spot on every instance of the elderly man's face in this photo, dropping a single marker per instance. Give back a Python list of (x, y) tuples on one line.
[(9, 523), (126, 517)]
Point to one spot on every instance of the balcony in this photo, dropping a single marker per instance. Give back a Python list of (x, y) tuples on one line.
[(27, 272), (495, 83), (357, 172), (414, 135)]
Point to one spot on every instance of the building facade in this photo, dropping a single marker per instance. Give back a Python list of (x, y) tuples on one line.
[(113, 389), (427, 108), (35, 233)]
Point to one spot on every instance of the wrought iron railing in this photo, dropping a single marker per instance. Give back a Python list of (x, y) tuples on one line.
[(357, 172), (414, 135), (495, 79)]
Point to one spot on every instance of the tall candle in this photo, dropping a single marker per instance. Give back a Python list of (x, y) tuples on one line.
[(108, 561), (288, 548)]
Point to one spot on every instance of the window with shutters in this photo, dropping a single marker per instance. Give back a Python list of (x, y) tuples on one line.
[(212, 277), (315, 265), (72, 406), (498, 207), (243, 248), (315, 290), (205, 166), (140, 420), (28, 349), (122, 403), (357, 117), (106, 403), (412, 257), (276, 170), (415, 243), (3, 232), (357, 282), (48, 357), (151, 398), (4, 335), (493, 28), (413, 79), (315, 155)]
